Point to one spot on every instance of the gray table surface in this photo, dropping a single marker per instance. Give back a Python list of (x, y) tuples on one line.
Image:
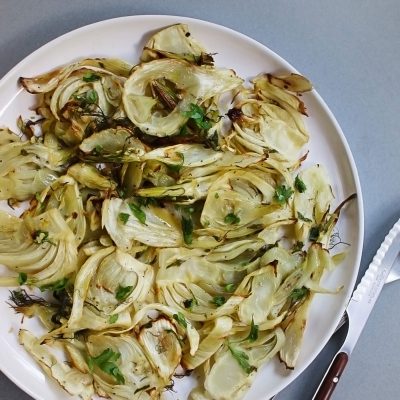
[(351, 52)]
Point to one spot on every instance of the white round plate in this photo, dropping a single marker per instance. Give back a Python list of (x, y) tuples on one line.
[(124, 38)]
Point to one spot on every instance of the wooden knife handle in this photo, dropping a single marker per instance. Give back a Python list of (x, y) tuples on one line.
[(332, 377)]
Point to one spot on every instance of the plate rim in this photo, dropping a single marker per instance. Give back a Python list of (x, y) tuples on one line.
[(171, 19)]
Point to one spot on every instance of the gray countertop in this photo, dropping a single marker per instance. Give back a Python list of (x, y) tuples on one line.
[(351, 52)]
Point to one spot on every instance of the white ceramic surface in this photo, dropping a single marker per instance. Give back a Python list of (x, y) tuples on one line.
[(124, 38)]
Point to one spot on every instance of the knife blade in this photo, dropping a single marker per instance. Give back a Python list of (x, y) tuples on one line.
[(393, 276), (360, 307)]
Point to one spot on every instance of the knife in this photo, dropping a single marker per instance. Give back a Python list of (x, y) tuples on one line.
[(360, 307)]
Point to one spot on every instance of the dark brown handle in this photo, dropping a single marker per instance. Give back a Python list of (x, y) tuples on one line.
[(332, 377)]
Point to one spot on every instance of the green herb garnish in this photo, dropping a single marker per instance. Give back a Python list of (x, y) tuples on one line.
[(231, 219), (123, 217), (113, 318), (56, 286), (22, 278), (180, 319), (190, 303), (299, 185), (123, 292), (91, 77), (40, 237), (299, 293), (187, 228), (197, 114), (253, 335), (219, 301), (314, 234), (230, 287), (91, 96), (87, 98), (106, 362), (282, 194), (138, 212), (97, 150), (242, 358)]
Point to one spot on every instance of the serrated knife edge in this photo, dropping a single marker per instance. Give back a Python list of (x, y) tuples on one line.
[(374, 269)]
